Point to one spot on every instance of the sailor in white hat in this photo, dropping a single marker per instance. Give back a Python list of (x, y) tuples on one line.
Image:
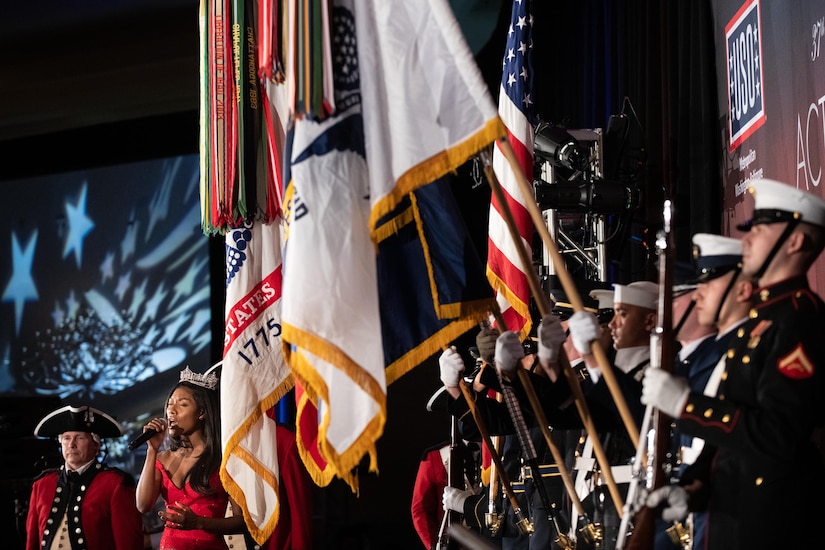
[(635, 316), (633, 320), (630, 327)]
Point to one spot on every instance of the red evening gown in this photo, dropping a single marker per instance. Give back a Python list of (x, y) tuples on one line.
[(213, 506)]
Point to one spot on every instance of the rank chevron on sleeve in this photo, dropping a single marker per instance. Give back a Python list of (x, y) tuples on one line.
[(796, 364)]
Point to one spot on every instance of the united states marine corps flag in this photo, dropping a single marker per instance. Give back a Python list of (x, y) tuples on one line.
[(378, 272)]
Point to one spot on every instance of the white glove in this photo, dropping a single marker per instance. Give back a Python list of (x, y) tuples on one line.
[(584, 328), (551, 337), (508, 351), (453, 499), (486, 344), (451, 365), (664, 391), (675, 499)]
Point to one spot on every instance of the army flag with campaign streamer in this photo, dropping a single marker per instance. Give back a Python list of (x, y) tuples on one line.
[(254, 375), (243, 118)]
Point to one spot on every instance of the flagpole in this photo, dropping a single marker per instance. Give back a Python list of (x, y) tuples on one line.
[(544, 308), (523, 523), (569, 289)]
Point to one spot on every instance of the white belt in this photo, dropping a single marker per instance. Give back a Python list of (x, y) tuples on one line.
[(621, 474), (688, 455), (584, 465)]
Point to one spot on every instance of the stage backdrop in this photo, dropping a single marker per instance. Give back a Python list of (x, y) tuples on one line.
[(105, 287), (770, 62)]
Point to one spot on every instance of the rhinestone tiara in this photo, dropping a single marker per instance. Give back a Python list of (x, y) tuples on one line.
[(208, 381)]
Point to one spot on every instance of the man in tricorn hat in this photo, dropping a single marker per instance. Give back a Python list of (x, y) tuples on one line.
[(84, 503), (760, 458)]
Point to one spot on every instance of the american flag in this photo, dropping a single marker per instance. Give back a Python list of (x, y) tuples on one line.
[(505, 271)]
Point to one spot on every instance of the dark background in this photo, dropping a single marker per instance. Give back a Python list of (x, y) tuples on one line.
[(100, 82)]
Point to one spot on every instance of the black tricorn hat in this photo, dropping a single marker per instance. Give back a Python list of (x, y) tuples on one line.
[(78, 419)]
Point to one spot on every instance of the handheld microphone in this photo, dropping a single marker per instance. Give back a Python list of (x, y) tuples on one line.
[(142, 438)]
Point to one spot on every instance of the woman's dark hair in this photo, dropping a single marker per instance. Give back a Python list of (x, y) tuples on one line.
[(210, 460)]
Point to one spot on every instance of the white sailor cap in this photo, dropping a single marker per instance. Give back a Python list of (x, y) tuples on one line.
[(778, 202), (715, 255), (605, 299), (603, 296), (640, 293)]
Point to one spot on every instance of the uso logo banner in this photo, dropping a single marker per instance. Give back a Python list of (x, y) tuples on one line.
[(746, 95), (770, 63)]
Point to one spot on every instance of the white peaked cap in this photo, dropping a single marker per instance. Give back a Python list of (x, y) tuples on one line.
[(776, 201), (715, 255), (710, 245), (641, 293), (604, 297)]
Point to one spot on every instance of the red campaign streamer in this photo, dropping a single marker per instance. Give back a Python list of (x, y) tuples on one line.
[(265, 9), (275, 45), (232, 123), (217, 110), (274, 198), (270, 67)]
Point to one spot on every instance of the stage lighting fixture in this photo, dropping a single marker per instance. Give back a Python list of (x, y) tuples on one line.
[(596, 196), (556, 145)]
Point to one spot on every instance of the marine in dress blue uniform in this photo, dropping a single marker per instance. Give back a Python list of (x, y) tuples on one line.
[(760, 461), (721, 300)]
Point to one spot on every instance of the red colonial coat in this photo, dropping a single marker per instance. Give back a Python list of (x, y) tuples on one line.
[(427, 510), (109, 517)]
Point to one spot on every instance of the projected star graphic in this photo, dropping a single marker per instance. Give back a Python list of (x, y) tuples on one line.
[(21, 288), (134, 301), (79, 226)]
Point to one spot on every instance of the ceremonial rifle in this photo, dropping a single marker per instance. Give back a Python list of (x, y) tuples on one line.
[(651, 467), (492, 518), (455, 478)]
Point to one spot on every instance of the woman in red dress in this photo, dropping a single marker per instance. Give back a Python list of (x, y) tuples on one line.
[(186, 474)]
